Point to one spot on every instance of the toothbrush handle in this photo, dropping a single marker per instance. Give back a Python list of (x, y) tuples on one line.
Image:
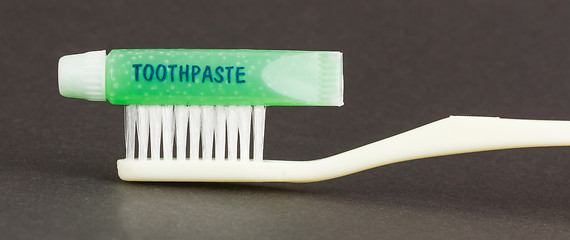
[(454, 135)]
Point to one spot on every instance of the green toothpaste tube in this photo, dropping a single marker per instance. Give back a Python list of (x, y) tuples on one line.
[(204, 77)]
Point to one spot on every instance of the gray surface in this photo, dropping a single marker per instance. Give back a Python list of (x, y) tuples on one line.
[(406, 64)]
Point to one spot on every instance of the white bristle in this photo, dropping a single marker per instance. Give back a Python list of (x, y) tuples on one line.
[(167, 132), (155, 120), (194, 112), (232, 127), (206, 126), (220, 133), (258, 132), (244, 129), (130, 123), (142, 131), (181, 116)]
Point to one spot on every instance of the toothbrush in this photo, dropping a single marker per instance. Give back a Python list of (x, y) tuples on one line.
[(230, 103), (452, 135)]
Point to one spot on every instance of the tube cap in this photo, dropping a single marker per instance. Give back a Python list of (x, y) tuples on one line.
[(83, 75)]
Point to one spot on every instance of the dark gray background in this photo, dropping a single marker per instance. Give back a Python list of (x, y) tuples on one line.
[(406, 64)]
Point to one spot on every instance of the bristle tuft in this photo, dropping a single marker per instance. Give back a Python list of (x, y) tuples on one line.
[(167, 132), (142, 131), (232, 125), (155, 120), (208, 125), (220, 137), (181, 124), (130, 123), (244, 130), (195, 120), (258, 122)]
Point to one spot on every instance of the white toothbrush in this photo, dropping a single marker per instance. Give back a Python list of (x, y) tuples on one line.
[(452, 135)]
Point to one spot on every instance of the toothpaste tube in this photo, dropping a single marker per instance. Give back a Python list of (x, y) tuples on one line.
[(204, 77)]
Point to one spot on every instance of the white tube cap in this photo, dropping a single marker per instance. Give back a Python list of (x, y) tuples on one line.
[(83, 75)]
